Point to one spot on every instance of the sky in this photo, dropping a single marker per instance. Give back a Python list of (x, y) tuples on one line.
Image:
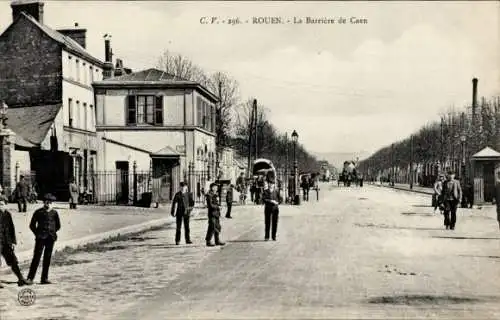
[(344, 87)]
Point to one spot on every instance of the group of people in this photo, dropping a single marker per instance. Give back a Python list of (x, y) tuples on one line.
[(447, 197), (183, 204), (44, 224)]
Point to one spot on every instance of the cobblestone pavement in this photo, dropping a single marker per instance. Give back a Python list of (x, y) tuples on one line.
[(357, 253)]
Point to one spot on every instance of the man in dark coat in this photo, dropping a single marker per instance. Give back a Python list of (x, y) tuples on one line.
[(44, 225), (451, 193), (22, 193), (229, 200), (8, 241), (272, 199), (214, 227), (182, 206)]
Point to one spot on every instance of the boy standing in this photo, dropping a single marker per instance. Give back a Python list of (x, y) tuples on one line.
[(44, 225)]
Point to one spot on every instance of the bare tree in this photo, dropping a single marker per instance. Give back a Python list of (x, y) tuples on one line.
[(227, 89), (181, 67)]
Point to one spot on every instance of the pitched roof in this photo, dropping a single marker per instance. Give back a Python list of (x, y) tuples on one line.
[(166, 152), (153, 77), (151, 74), (31, 124), (68, 43), (487, 153)]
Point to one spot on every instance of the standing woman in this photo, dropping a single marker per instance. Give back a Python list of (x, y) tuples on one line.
[(73, 194), (214, 227)]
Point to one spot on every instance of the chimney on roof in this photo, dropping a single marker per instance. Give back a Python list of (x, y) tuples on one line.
[(119, 68), (33, 8), (108, 57), (77, 34), (474, 99)]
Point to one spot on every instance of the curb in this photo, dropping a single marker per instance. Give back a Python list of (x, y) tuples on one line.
[(25, 256), (429, 193)]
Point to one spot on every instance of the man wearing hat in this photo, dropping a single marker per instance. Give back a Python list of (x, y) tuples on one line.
[(182, 205), (451, 195), (44, 225), (8, 241), (272, 198), (22, 192), (214, 227)]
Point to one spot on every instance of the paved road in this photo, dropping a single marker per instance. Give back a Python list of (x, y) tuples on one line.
[(358, 253)]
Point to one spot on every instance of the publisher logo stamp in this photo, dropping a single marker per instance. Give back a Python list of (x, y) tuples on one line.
[(26, 297)]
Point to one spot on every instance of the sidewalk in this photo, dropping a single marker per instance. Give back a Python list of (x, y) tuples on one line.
[(89, 224), (406, 187)]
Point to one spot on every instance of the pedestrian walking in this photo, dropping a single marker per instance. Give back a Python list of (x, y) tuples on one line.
[(73, 194), (305, 185), (182, 206), (22, 193), (45, 224), (452, 193), (437, 201), (272, 200), (497, 196), (229, 200), (214, 226), (8, 242)]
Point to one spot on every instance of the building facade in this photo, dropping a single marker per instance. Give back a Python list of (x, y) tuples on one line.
[(46, 78), (152, 120)]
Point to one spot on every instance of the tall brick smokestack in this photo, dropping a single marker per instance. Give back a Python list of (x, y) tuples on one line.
[(474, 99)]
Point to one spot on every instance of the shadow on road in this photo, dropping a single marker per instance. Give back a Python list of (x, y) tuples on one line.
[(418, 214), (173, 246), (465, 238), (473, 256), (370, 225), (422, 300), (421, 206), (245, 241)]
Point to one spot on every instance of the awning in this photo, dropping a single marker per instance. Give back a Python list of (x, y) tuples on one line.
[(486, 154), (166, 153)]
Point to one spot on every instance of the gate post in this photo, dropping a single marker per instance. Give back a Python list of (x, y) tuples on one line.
[(190, 180), (134, 168)]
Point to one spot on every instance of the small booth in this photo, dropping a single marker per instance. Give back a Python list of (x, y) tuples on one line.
[(485, 163)]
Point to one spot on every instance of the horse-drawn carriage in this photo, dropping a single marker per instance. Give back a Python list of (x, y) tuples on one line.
[(262, 171)]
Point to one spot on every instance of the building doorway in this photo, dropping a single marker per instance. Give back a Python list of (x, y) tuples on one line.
[(122, 182)]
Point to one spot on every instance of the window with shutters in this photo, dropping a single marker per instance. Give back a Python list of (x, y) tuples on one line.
[(70, 112), (85, 117), (77, 112), (77, 70), (145, 110), (199, 112)]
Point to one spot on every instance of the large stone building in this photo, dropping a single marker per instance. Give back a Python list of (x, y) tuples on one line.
[(154, 120)]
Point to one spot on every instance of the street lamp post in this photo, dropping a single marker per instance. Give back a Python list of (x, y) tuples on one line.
[(462, 142), (295, 138)]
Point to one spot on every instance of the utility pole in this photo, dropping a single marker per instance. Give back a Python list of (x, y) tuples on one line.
[(442, 145), (218, 132), (255, 126), (250, 135), (286, 165), (393, 174)]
